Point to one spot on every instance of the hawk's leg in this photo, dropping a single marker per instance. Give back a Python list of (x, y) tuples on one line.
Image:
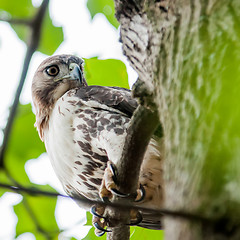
[(101, 222), (109, 186)]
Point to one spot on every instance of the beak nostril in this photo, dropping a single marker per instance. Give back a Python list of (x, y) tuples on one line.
[(75, 72)]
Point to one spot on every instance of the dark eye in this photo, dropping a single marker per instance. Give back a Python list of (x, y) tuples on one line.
[(52, 70)]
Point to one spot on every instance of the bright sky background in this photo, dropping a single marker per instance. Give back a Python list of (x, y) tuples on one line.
[(84, 38)]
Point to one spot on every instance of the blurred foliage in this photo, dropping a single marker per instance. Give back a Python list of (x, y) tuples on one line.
[(3, 179), (36, 215), (110, 72), (105, 7), (91, 235), (22, 8), (26, 118), (135, 232), (146, 234), (24, 144), (51, 37)]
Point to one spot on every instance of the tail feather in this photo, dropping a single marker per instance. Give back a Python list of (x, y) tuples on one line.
[(151, 222)]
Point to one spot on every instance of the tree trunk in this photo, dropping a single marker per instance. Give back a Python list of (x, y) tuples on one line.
[(187, 55)]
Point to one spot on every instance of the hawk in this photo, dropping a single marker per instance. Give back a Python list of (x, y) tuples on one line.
[(84, 128)]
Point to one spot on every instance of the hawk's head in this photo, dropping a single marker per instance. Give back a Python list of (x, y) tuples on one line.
[(54, 77)]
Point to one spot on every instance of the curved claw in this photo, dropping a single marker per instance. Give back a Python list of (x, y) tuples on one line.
[(120, 194), (143, 193), (113, 170), (93, 211), (137, 221), (99, 233), (105, 199), (97, 226)]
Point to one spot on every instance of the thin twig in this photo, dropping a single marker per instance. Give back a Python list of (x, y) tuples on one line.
[(31, 191), (36, 25), (117, 205), (17, 21)]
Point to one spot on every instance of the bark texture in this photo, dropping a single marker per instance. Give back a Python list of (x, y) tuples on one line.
[(142, 126), (187, 55)]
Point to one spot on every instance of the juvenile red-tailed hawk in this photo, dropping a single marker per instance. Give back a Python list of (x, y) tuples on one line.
[(84, 127)]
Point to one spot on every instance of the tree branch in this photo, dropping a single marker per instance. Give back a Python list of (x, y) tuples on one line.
[(144, 121), (184, 57), (142, 126), (36, 25)]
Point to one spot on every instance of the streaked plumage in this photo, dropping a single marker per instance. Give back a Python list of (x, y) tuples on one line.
[(83, 127)]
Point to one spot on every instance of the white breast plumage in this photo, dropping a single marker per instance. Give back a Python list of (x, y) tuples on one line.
[(76, 139)]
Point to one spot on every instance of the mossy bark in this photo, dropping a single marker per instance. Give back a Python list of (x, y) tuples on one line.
[(187, 55)]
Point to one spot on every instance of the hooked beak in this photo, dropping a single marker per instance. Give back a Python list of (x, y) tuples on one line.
[(75, 73)]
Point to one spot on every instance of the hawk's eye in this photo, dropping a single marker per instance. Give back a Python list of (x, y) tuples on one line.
[(52, 70)]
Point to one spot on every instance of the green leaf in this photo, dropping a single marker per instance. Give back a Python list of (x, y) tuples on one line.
[(105, 7), (51, 37), (20, 8), (91, 235), (36, 215), (25, 222), (89, 219), (24, 144), (3, 179), (110, 72), (146, 234), (136, 232)]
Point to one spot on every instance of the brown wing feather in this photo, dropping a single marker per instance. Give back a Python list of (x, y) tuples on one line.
[(114, 97)]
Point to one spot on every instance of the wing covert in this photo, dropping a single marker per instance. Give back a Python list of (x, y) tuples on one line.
[(113, 97)]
